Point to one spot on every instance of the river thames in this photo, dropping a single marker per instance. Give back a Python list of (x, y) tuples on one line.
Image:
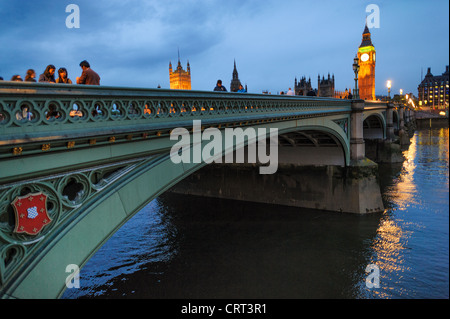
[(188, 247)]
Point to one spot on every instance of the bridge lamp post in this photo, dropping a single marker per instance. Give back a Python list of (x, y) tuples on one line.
[(389, 89), (356, 70)]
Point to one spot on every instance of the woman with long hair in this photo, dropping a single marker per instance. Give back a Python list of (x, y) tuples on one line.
[(30, 76), (63, 76), (48, 75)]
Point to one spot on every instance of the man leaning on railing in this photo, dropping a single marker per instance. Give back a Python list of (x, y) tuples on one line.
[(88, 76)]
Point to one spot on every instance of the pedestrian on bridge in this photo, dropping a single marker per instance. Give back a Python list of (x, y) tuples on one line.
[(220, 87), (241, 89), (63, 77), (16, 78), (48, 75), (25, 114), (88, 76), (30, 76)]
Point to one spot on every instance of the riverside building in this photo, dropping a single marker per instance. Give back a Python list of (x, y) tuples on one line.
[(434, 90)]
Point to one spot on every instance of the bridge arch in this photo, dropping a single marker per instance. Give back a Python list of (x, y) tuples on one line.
[(123, 192), (314, 145), (374, 126)]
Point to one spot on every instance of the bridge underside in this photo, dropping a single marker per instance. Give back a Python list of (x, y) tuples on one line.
[(309, 147), (312, 173)]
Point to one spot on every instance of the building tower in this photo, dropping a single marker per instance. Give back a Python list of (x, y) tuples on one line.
[(303, 86), (180, 79), (235, 82), (366, 60), (325, 87)]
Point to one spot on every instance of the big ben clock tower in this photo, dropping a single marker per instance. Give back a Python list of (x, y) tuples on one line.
[(366, 75)]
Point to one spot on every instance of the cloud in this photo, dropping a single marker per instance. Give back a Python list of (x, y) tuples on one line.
[(130, 42)]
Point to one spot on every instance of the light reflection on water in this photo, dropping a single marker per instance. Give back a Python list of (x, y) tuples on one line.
[(411, 248), (179, 247)]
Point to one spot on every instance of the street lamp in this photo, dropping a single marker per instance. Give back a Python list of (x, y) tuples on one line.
[(389, 89), (356, 70)]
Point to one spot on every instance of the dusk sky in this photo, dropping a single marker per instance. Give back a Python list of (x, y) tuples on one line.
[(131, 42)]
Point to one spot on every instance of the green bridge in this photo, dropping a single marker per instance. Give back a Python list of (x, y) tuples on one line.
[(77, 162)]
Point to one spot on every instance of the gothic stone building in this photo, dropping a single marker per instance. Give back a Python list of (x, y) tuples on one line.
[(434, 90), (180, 79), (303, 86), (235, 82), (325, 86), (366, 60)]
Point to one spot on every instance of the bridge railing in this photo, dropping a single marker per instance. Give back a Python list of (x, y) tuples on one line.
[(37, 107), (375, 105), (33, 111)]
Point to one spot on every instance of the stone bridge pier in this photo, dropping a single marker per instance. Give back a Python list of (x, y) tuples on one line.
[(400, 127)]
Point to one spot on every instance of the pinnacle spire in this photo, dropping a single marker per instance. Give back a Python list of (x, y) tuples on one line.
[(366, 41), (366, 28), (179, 62), (235, 72)]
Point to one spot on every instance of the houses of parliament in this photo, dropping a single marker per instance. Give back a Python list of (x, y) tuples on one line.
[(181, 79), (366, 75)]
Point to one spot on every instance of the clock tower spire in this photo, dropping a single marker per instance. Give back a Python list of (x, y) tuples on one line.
[(366, 60)]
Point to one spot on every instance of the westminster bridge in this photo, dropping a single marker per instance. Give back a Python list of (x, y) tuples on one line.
[(77, 162)]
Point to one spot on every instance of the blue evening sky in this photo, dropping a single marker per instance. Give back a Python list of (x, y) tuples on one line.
[(131, 42)]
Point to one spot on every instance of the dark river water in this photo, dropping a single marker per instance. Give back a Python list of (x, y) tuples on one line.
[(188, 247)]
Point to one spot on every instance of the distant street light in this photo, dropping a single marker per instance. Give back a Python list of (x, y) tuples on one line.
[(389, 89), (356, 70)]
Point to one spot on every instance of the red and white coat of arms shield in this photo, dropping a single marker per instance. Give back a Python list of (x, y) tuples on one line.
[(31, 213)]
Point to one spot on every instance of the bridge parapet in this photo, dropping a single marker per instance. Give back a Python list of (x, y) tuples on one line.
[(36, 110), (37, 118)]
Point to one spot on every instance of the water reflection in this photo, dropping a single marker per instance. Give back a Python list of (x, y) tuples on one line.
[(414, 227), (204, 248)]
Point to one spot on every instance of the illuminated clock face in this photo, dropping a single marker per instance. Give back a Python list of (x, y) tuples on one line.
[(364, 57)]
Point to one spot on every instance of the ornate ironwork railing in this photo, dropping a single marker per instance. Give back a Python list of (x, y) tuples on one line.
[(37, 117), (35, 108)]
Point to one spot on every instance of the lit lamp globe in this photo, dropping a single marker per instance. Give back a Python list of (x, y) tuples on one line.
[(389, 84)]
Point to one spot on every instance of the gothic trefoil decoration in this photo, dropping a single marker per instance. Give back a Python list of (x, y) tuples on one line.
[(31, 213)]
